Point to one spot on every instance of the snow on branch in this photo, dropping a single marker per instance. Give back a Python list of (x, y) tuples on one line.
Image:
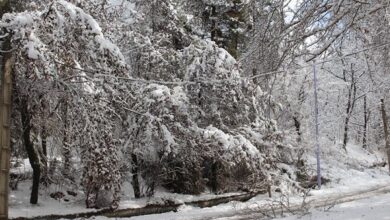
[(62, 32)]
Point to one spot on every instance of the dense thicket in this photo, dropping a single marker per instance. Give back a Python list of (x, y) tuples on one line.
[(185, 94)]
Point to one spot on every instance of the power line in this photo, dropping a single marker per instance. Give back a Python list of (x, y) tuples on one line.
[(321, 62), (99, 72)]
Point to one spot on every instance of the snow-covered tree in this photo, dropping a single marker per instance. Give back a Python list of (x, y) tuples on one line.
[(62, 51)]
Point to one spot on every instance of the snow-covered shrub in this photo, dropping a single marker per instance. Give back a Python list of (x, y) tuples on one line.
[(235, 162), (99, 156), (216, 98), (159, 129), (184, 172), (174, 152), (155, 41)]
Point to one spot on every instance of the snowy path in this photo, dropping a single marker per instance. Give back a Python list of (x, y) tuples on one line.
[(371, 204), (373, 208), (253, 209)]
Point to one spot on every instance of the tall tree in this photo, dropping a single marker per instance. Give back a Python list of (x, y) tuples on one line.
[(386, 130)]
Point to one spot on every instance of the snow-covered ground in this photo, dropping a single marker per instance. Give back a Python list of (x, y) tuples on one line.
[(371, 208), (260, 207), (374, 208), (19, 205), (353, 175)]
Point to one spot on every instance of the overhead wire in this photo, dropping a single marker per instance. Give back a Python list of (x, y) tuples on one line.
[(105, 73)]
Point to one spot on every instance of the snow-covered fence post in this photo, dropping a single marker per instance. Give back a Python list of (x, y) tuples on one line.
[(316, 126)]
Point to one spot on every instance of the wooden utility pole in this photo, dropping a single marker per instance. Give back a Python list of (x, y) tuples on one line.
[(5, 116)]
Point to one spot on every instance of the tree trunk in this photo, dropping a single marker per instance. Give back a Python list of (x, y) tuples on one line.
[(65, 148), (134, 171), (365, 122), (31, 151), (43, 150), (297, 125), (44, 140), (296, 115), (346, 123), (214, 177), (44, 177), (350, 106), (214, 28), (386, 131)]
